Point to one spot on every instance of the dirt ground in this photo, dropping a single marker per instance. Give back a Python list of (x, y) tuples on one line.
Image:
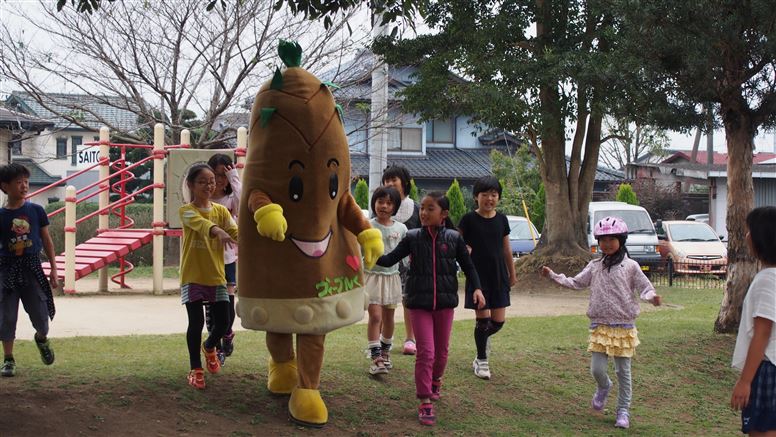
[(128, 407)]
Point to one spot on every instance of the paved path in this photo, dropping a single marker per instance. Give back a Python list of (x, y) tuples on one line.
[(137, 312)]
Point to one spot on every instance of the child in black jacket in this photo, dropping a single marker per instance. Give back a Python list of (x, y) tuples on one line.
[(432, 293)]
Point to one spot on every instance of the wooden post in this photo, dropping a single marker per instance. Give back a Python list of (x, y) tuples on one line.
[(104, 198), (242, 149), (158, 224), (70, 200)]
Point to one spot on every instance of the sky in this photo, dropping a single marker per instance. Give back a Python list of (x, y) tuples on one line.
[(764, 142)]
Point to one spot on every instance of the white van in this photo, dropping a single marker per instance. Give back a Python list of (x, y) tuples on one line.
[(642, 239)]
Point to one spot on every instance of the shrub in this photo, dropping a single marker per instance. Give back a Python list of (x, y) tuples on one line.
[(362, 194), (457, 203), (414, 191), (625, 194)]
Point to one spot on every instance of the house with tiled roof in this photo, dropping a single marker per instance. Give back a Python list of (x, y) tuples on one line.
[(436, 151), (14, 125), (73, 120)]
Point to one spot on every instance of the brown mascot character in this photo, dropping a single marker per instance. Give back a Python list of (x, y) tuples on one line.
[(300, 268)]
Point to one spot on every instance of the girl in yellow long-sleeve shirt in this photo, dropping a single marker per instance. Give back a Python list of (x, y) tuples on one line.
[(207, 228)]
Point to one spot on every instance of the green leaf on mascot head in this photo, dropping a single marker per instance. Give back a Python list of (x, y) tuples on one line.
[(331, 84), (266, 114), (290, 52), (277, 80), (339, 111)]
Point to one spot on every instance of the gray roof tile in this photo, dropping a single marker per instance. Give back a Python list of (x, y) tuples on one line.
[(116, 110)]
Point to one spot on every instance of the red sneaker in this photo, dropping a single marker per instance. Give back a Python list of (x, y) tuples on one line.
[(211, 360), (426, 414), (196, 378)]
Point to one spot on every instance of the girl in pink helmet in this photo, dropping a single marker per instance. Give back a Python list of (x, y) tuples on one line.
[(613, 280)]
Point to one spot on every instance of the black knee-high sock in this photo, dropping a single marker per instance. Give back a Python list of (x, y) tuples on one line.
[(219, 314), (232, 314), (495, 327), (194, 333), (481, 332)]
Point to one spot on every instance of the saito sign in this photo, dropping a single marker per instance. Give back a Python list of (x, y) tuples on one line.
[(88, 156)]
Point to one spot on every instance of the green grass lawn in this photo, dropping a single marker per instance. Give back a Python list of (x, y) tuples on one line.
[(541, 384)]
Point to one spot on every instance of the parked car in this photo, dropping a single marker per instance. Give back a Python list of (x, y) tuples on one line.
[(642, 239), (703, 218), (692, 247), (523, 235)]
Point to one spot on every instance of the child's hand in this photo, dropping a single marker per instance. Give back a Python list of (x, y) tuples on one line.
[(740, 397), (54, 278), (479, 299), (657, 300), (546, 271), (469, 249), (512, 280), (223, 236)]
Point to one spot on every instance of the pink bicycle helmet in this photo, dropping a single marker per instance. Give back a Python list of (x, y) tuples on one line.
[(610, 226)]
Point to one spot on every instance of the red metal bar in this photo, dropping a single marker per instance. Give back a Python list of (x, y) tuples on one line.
[(63, 180), (117, 203)]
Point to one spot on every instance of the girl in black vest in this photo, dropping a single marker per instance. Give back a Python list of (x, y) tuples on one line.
[(432, 293)]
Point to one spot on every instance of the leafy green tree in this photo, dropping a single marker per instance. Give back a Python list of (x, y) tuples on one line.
[(362, 194), (414, 191), (686, 55), (457, 203), (538, 69), (519, 177), (626, 194)]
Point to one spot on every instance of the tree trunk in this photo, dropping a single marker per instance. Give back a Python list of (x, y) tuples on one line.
[(739, 132)]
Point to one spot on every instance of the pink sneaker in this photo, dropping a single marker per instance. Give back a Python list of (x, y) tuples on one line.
[(409, 347), (599, 398), (623, 420), (426, 414)]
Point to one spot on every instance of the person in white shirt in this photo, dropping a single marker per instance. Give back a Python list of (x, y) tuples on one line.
[(755, 352)]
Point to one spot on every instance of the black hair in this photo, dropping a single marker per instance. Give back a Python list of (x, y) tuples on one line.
[(191, 177), (397, 171), (221, 159), (444, 203), (485, 184), (762, 232), (8, 173), (616, 257), (389, 192)]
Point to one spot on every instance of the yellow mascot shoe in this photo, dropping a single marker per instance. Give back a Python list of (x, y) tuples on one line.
[(307, 408), (282, 377)]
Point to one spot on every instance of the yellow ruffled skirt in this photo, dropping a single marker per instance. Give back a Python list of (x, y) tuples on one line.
[(613, 341)]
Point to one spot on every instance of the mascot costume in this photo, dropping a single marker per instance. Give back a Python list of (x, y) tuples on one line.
[(300, 264)]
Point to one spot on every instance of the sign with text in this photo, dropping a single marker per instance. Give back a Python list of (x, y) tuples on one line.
[(88, 156)]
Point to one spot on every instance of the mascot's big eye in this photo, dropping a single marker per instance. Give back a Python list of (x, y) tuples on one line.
[(295, 188), (333, 185)]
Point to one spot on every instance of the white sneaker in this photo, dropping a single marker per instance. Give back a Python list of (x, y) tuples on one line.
[(481, 368)]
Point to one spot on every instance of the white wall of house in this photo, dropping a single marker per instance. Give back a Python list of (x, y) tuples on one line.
[(764, 195), (466, 133), (43, 150)]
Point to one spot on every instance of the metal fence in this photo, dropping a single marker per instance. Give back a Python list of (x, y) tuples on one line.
[(689, 273)]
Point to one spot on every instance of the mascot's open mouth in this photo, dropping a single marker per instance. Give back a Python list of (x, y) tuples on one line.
[(313, 249)]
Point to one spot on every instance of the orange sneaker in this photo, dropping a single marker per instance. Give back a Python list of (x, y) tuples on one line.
[(211, 360), (197, 378)]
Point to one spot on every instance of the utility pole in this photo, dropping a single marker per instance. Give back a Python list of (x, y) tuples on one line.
[(377, 137)]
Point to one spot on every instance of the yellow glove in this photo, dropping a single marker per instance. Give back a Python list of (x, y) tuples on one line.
[(371, 240), (270, 222)]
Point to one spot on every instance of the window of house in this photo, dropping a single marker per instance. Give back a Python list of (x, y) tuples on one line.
[(405, 139), (75, 142), (16, 147), (440, 131), (61, 148)]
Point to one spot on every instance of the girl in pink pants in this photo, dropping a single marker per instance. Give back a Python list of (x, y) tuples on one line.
[(432, 293)]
